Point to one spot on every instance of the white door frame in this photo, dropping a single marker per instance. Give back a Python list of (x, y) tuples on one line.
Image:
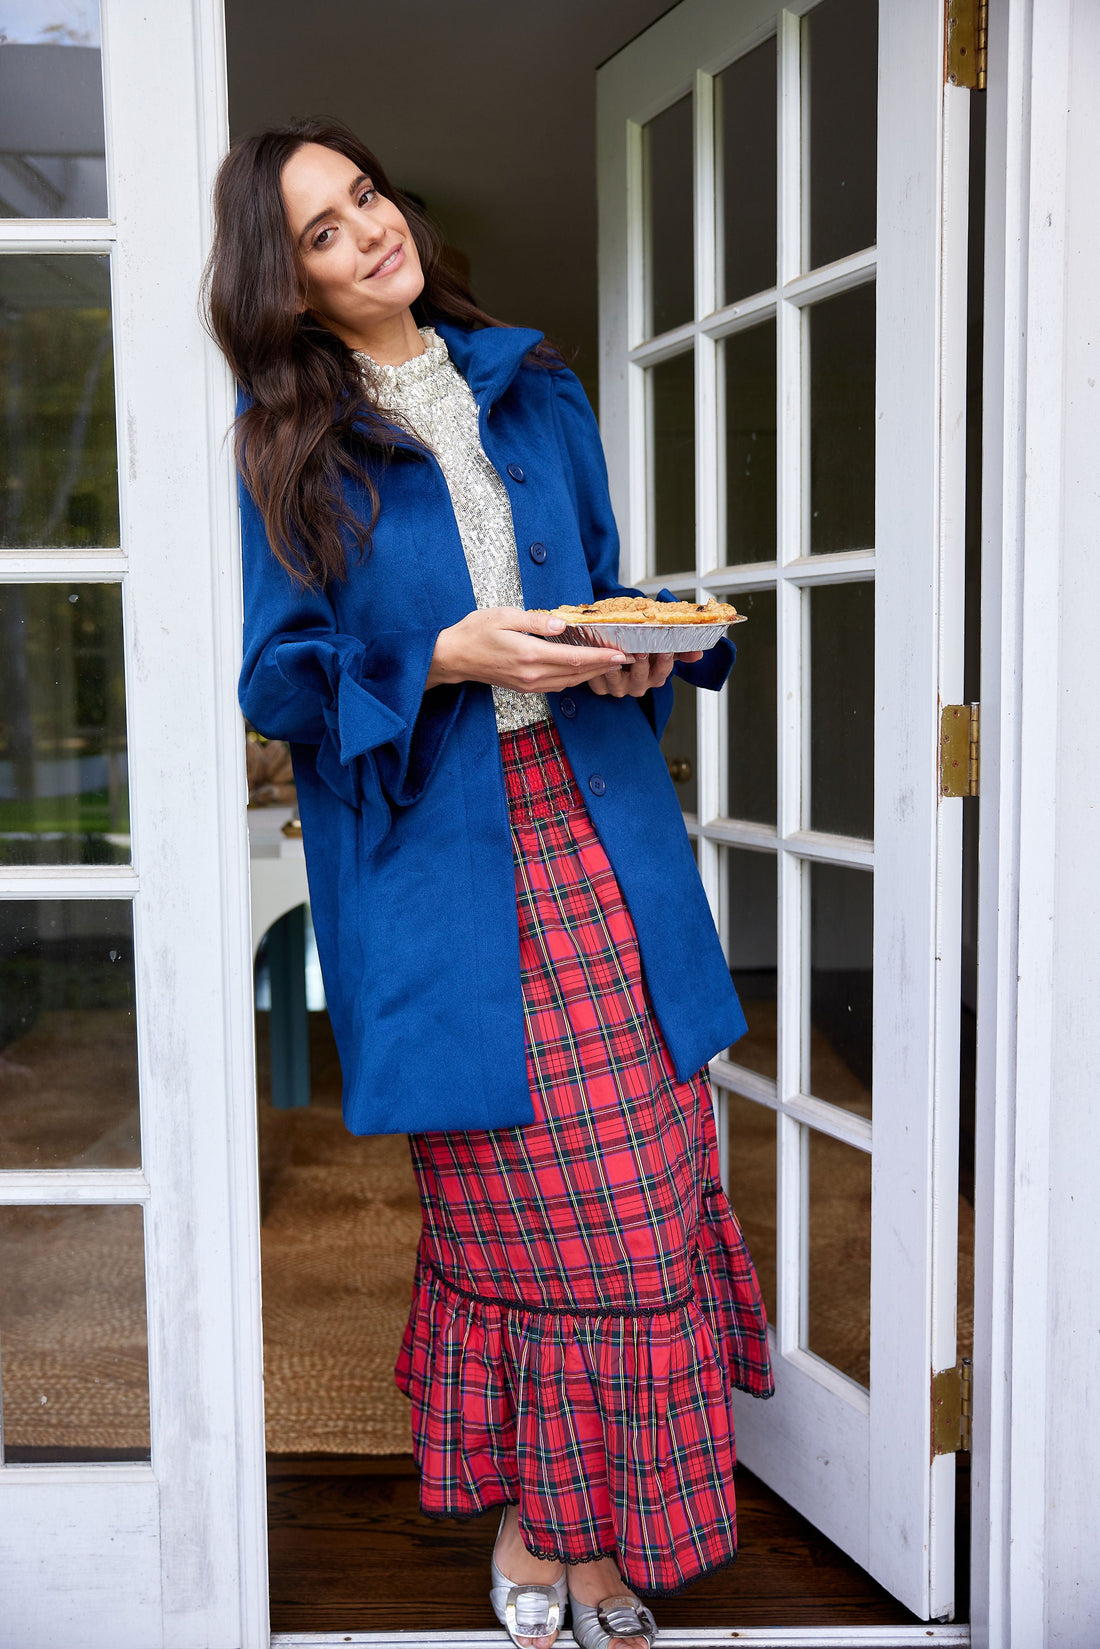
[(1036, 1548)]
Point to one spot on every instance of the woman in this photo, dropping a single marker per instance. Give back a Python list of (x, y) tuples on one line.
[(521, 968)]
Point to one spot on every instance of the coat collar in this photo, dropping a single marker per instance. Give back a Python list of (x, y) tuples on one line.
[(488, 358)]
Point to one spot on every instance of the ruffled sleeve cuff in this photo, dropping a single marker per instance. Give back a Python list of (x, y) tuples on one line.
[(383, 731)]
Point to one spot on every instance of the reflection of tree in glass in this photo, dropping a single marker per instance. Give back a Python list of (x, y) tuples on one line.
[(66, 23), (63, 786), (58, 459)]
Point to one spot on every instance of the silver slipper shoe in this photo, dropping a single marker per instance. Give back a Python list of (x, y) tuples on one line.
[(623, 1616), (527, 1609)]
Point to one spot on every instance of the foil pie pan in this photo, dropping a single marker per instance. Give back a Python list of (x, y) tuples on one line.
[(647, 638)]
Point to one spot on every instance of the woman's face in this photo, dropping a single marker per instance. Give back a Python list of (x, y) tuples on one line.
[(360, 267)]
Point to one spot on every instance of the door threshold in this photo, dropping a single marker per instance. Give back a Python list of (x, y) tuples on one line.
[(761, 1637)]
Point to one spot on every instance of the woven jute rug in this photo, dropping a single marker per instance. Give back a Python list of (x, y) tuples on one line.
[(340, 1225)]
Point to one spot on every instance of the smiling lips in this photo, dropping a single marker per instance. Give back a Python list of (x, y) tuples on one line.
[(391, 261)]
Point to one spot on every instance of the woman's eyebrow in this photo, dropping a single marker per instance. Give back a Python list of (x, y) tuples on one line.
[(329, 210)]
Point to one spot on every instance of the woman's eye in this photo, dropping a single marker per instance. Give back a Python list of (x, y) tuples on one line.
[(366, 196)]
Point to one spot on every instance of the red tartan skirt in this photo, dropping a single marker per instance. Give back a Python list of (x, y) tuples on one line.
[(584, 1301)]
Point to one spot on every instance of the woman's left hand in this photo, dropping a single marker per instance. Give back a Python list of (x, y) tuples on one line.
[(648, 670)]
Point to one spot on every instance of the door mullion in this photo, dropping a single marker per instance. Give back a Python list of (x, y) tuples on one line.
[(640, 535), (707, 465), (706, 471), (790, 147), (638, 526), (637, 235), (706, 263)]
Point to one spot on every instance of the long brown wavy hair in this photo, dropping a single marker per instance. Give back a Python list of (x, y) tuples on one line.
[(310, 422)]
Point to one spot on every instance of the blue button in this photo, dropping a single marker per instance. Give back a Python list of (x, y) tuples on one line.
[(515, 472), (597, 785), (538, 553), (568, 707)]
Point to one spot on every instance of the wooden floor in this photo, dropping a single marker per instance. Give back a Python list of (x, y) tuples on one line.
[(349, 1546)]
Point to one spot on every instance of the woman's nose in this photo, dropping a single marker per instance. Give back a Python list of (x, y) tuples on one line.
[(369, 232)]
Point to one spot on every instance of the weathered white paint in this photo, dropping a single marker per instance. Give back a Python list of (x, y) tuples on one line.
[(857, 1465), (1037, 1346), (80, 1558), (171, 1556)]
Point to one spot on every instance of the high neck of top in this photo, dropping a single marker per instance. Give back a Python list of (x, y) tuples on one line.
[(393, 383)]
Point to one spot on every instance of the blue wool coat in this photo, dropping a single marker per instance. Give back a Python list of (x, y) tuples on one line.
[(401, 790)]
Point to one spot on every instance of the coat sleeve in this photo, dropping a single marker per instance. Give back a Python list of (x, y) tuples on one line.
[(588, 474), (360, 700)]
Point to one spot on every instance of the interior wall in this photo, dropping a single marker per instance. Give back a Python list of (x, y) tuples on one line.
[(486, 110)]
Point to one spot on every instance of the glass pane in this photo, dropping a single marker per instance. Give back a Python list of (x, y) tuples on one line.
[(679, 746), (749, 361), (840, 41), (68, 1049), (842, 709), (58, 458), (745, 135), (672, 475), (751, 892), (751, 721), (841, 987), (842, 422), (838, 1282), (752, 1158), (64, 796), (667, 148), (74, 1359), (51, 112)]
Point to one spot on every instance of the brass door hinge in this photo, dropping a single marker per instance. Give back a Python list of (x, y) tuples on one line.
[(965, 43), (952, 1389), (960, 749)]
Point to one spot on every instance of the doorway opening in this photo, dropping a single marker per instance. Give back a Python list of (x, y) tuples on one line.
[(514, 191)]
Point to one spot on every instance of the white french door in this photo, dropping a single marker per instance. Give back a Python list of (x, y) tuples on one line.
[(131, 1473), (782, 266)]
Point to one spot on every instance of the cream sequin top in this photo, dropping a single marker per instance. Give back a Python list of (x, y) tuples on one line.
[(431, 398)]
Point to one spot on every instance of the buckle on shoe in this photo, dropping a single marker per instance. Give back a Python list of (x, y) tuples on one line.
[(626, 1617), (540, 1626)]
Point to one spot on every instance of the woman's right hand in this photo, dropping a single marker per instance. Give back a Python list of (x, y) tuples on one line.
[(506, 647)]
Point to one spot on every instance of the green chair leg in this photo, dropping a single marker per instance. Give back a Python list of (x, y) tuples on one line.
[(286, 955)]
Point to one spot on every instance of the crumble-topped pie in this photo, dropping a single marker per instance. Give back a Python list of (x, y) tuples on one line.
[(641, 609)]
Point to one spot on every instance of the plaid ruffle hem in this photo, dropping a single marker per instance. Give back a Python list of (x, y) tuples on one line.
[(584, 1301)]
